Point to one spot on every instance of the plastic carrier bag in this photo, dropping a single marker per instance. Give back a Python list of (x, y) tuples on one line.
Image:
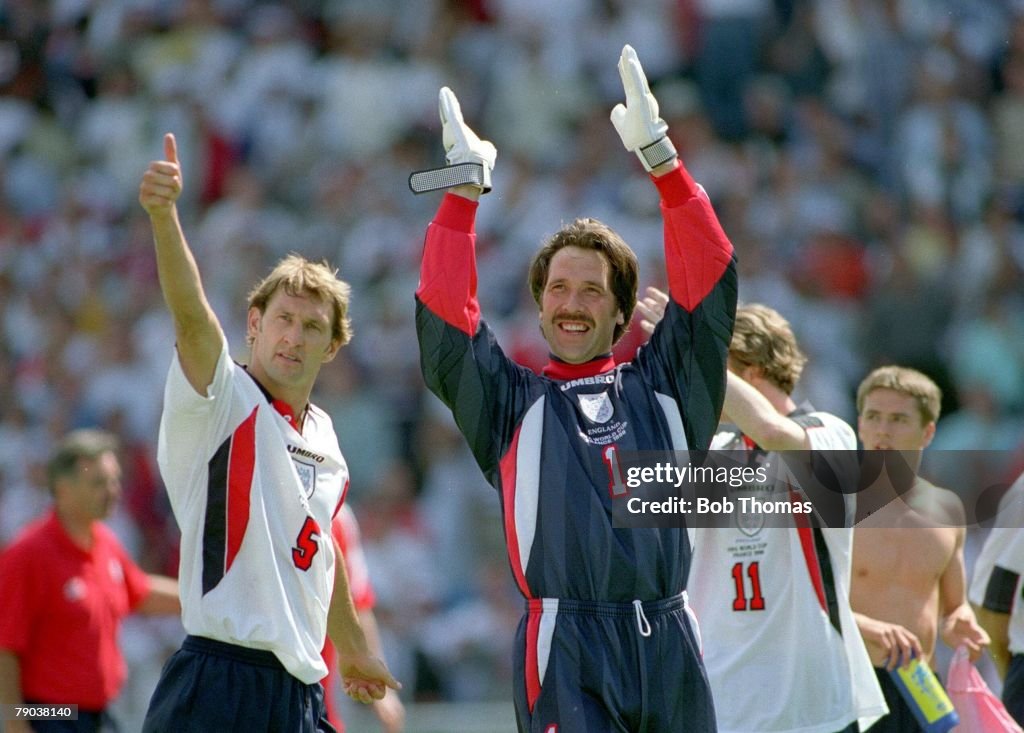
[(980, 710)]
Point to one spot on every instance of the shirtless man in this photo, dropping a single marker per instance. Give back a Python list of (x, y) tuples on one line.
[(908, 564)]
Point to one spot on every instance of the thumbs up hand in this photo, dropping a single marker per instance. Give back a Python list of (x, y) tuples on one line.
[(161, 183)]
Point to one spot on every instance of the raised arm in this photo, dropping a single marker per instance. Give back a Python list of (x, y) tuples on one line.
[(448, 270), (752, 413), (686, 357), (744, 406), (197, 331), (697, 251), (460, 360)]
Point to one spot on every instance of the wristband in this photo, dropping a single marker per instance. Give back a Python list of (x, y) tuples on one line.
[(434, 179), (658, 152)]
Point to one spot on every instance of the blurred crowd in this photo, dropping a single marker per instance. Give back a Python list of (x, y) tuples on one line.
[(866, 157)]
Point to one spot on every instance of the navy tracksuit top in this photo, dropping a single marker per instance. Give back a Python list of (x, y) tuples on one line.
[(550, 443)]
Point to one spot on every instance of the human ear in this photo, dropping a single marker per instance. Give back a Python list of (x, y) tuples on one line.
[(332, 350), (253, 319)]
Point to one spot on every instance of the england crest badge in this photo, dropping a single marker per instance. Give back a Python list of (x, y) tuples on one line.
[(597, 407), (307, 475)]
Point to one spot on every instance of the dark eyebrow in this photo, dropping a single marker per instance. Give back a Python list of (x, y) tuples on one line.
[(595, 283)]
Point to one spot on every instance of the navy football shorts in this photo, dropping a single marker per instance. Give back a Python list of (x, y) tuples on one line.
[(610, 667), (209, 686)]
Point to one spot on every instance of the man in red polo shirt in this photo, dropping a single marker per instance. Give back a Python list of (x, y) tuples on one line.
[(65, 584)]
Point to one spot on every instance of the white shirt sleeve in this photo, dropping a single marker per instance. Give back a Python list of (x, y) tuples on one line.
[(1004, 545), (832, 434), (193, 426)]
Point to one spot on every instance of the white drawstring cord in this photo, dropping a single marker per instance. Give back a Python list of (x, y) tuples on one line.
[(641, 619), (693, 622)]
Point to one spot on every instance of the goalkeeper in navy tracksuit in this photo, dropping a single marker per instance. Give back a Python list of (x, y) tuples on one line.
[(607, 643)]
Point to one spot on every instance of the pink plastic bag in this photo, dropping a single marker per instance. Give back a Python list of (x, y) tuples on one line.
[(979, 709)]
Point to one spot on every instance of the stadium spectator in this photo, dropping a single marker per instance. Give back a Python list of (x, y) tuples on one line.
[(733, 37), (252, 469), (65, 584), (909, 583), (548, 443)]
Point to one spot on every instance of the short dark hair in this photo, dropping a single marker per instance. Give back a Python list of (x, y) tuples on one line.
[(592, 234), (78, 444)]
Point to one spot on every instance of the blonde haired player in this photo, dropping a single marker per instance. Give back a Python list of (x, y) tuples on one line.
[(781, 646), (254, 475)]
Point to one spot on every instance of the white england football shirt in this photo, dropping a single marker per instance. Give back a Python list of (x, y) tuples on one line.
[(782, 651), (1004, 549), (254, 499)]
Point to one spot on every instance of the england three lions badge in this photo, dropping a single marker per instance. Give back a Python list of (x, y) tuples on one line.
[(597, 407)]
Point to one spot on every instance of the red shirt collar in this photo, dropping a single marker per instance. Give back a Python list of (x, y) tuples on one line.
[(283, 408), (53, 524), (561, 370)]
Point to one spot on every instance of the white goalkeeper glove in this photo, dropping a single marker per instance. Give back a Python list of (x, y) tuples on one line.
[(641, 128), (470, 159)]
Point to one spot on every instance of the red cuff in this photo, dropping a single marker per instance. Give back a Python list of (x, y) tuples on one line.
[(457, 213), (676, 187)]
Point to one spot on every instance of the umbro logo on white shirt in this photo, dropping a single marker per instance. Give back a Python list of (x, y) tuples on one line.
[(296, 450)]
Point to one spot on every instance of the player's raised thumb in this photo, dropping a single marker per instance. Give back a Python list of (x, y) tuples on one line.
[(170, 148)]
